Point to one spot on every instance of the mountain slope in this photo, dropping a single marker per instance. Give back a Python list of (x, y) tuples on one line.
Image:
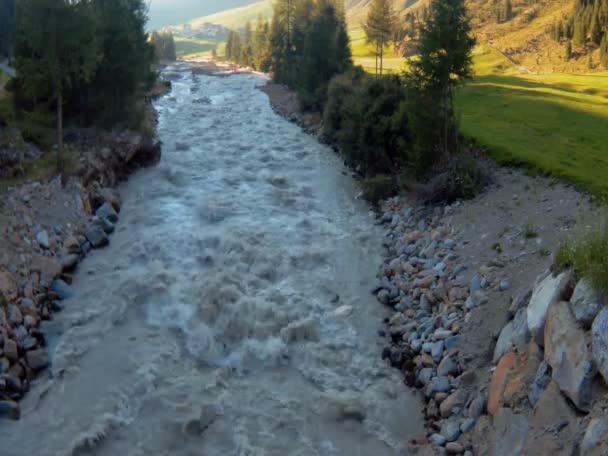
[(523, 38)]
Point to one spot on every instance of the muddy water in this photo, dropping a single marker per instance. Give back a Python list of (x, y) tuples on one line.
[(208, 326)]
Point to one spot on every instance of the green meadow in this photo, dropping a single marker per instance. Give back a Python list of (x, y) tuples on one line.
[(553, 124), (192, 48)]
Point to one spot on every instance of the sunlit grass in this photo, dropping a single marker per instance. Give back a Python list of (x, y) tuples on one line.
[(188, 48), (363, 54), (555, 124)]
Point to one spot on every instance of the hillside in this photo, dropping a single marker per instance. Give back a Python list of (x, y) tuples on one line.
[(164, 13), (523, 38)]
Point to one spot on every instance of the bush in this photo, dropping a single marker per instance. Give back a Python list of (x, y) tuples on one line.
[(378, 188), (589, 258), (365, 118)]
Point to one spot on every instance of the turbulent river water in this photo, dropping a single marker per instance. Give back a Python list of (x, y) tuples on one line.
[(208, 326)]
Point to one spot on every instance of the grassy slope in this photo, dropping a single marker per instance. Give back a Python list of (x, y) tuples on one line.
[(554, 123), (192, 48), (237, 17)]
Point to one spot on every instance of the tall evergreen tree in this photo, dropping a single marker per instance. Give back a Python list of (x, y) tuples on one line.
[(445, 61), (379, 27), (281, 41), (7, 26), (56, 47), (260, 44)]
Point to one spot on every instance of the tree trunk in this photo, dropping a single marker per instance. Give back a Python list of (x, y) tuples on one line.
[(381, 56), (59, 130), (376, 54)]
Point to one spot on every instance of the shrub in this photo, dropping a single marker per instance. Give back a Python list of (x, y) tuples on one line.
[(366, 119), (378, 187), (589, 258)]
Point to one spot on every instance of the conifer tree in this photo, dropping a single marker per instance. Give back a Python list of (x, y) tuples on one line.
[(281, 41), (379, 27), (445, 62), (604, 51)]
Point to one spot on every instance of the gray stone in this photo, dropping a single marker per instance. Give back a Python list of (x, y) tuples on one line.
[(416, 345), (383, 297), (451, 342), (440, 333), (548, 291), (567, 352), (467, 425), (586, 303), (450, 429), (437, 439), (37, 359), (438, 385), (96, 236), (62, 289), (448, 366), (107, 211), (69, 262), (504, 285), (541, 381), (520, 301), (599, 335), (437, 351), (510, 433), (514, 335), (42, 238), (596, 437), (425, 375), (477, 407)]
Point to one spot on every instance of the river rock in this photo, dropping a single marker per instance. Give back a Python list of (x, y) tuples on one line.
[(343, 311), (541, 381), (10, 349), (448, 366), (437, 439), (37, 359), (438, 385), (62, 289), (106, 211), (71, 245), (599, 335), (454, 448), (477, 407), (514, 335), (586, 303), (14, 315), (566, 351), (454, 400), (42, 238), (8, 287), (69, 262), (595, 441), (450, 429), (548, 291), (96, 235)]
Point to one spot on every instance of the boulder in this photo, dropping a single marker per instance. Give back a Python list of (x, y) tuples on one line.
[(454, 400), (567, 352), (37, 359), (450, 429), (448, 366), (514, 335), (106, 211), (69, 262), (511, 431), (547, 291), (586, 303), (96, 235), (541, 380), (599, 337), (595, 440), (71, 245), (510, 380)]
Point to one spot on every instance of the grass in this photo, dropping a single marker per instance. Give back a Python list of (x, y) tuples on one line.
[(530, 231), (44, 168), (363, 54), (189, 48), (553, 124), (589, 258), (236, 18)]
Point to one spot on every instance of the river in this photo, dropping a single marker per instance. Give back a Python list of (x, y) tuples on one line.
[(209, 325)]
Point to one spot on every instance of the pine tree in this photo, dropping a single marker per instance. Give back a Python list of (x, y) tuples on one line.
[(568, 50), (281, 41), (445, 61), (229, 41), (379, 27), (56, 47), (260, 44), (247, 46)]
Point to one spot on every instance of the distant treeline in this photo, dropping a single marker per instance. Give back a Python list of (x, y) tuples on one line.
[(586, 26), (305, 45), (7, 26)]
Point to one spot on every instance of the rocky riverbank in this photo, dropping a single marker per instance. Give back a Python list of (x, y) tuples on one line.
[(46, 228), (500, 348)]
